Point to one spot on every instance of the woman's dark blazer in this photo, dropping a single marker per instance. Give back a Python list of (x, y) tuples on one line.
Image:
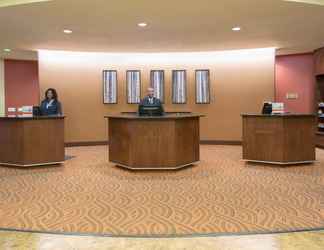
[(54, 109)]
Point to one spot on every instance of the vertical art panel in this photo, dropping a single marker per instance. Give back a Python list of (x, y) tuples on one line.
[(133, 78), (110, 86), (179, 88), (202, 87), (157, 83)]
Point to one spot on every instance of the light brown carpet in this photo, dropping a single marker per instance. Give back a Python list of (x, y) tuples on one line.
[(222, 194)]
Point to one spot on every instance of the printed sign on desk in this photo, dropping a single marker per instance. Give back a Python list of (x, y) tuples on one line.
[(26, 109), (11, 109), (277, 108)]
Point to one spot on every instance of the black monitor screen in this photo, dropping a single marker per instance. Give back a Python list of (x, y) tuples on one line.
[(267, 108), (150, 110), (36, 111)]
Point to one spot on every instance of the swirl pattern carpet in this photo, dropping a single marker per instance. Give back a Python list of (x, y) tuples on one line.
[(220, 195)]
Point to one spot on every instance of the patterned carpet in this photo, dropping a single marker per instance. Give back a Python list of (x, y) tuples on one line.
[(222, 194)]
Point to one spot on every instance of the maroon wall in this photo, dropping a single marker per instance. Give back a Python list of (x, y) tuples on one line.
[(21, 83), (295, 74)]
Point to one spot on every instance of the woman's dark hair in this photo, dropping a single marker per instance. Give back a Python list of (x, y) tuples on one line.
[(54, 93)]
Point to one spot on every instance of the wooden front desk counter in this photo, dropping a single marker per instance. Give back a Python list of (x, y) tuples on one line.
[(166, 142), (279, 139), (31, 141)]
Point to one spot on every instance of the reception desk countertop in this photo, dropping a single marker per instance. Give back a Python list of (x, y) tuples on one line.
[(166, 116), (278, 115), (31, 117)]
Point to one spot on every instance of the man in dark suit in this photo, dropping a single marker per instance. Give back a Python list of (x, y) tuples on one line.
[(150, 100)]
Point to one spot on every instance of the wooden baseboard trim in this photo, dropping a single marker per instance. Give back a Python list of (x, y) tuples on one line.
[(100, 143), (219, 142), (85, 143), (32, 165), (202, 142)]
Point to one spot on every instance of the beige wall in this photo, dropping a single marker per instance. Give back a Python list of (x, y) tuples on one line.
[(2, 88), (240, 82)]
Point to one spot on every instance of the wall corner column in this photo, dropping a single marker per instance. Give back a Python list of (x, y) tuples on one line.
[(2, 88)]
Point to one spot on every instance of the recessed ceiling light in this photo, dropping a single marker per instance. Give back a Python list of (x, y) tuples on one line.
[(7, 50), (142, 24), (66, 31), (236, 28)]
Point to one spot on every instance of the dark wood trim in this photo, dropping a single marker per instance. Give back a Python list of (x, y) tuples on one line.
[(220, 142), (23, 118), (202, 142), (318, 49), (86, 143), (319, 64), (100, 143), (298, 54), (21, 60)]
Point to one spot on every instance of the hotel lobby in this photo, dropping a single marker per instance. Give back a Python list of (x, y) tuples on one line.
[(161, 125)]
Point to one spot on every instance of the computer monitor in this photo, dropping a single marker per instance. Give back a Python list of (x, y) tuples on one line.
[(37, 111), (150, 110), (267, 108)]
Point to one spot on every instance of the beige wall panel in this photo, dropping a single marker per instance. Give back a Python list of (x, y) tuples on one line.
[(240, 82)]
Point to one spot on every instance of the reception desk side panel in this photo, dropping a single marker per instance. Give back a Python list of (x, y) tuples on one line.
[(299, 139), (187, 140), (11, 142), (119, 141), (43, 141), (152, 143), (263, 138)]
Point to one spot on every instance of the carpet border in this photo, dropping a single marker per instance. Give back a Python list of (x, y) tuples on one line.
[(162, 236)]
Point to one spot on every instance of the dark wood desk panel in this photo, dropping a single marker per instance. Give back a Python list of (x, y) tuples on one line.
[(11, 142), (166, 142), (279, 139), (187, 140), (27, 141), (300, 139), (119, 143), (262, 138), (152, 143)]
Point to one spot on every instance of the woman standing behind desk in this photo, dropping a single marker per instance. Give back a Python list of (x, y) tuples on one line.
[(50, 105)]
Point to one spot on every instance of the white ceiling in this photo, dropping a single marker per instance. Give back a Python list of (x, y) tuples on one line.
[(174, 25)]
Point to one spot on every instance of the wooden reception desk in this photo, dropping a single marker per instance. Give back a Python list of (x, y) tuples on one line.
[(279, 139), (163, 142), (31, 141)]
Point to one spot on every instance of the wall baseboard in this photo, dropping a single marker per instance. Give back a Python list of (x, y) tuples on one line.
[(100, 143), (202, 142), (86, 143), (220, 142)]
